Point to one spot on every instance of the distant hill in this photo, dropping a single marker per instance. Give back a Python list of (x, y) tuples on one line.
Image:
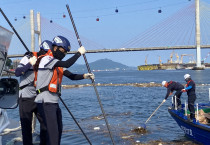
[(102, 65)]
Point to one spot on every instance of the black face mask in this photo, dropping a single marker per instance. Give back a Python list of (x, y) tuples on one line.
[(58, 54), (41, 52)]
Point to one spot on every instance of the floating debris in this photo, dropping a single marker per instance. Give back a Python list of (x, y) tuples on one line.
[(151, 84), (98, 117), (96, 128), (139, 130)]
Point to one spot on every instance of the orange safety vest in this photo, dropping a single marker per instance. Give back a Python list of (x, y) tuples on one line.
[(169, 83), (188, 83), (49, 52), (55, 83), (35, 54)]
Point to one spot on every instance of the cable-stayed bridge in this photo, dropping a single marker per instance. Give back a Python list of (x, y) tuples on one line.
[(175, 32)]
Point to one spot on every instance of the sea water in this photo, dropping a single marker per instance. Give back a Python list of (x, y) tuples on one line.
[(126, 107)]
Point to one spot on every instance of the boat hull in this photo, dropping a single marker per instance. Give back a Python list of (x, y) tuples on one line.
[(193, 130)]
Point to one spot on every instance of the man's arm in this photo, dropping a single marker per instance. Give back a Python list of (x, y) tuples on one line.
[(69, 62), (168, 92), (25, 65), (22, 70), (72, 76)]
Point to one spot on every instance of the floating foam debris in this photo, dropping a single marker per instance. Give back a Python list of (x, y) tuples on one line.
[(126, 137), (97, 117), (137, 141), (139, 130), (96, 128)]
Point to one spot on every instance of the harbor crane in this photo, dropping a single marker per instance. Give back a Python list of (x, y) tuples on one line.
[(192, 55), (205, 57)]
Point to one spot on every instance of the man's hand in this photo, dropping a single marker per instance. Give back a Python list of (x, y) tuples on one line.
[(164, 100), (28, 53), (33, 60), (82, 50), (89, 76), (183, 90)]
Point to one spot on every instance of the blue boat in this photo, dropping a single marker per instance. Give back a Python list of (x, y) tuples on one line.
[(195, 130)]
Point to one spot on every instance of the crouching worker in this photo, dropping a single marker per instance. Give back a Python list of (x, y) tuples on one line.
[(190, 89), (50, 73), (27, 94), (174, 86)]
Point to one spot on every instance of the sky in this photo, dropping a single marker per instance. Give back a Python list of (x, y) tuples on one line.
[(113, 29)]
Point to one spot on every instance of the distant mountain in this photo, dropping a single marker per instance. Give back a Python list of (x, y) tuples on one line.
[(102, 65)]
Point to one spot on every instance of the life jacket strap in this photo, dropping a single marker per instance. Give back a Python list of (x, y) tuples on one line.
[(22, 87), (42, 90)]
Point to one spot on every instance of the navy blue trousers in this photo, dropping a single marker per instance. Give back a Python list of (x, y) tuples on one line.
[(27, 107), (191, 102), (51, 114), (178, 96)]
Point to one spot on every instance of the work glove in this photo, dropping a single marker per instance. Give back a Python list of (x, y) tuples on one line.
[(164, 100), (81, 50), (89, 76), (183, 90), (33, 60), (28, 54)]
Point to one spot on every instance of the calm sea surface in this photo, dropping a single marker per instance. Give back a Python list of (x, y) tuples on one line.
[(126, 107)]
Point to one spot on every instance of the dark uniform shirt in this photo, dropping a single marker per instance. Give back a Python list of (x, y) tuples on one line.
[(191, 92), (173, 86)]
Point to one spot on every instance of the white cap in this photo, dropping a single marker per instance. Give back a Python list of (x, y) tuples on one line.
[(186, 76), (163, 83)]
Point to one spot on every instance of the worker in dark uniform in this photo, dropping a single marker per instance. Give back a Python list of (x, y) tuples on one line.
[(174, 86), (50, 73), (190, 89), (27, 94)]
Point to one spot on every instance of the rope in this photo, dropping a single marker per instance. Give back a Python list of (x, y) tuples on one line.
[(88, 68)]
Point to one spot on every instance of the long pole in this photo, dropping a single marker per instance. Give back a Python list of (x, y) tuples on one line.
[(75, 120), (154, 112), (88, 68), (14, 30)]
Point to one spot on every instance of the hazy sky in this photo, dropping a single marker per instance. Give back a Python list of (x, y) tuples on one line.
[(112, 30)]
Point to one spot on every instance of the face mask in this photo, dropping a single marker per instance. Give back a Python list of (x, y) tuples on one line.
[(41, 52), (58, 54)]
